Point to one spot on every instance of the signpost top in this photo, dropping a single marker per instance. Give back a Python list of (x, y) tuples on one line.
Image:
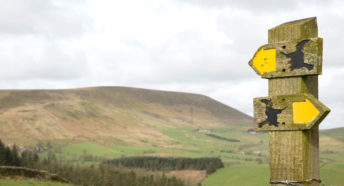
[(294, 30)]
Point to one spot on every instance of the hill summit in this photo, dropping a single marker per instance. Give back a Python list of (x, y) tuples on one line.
[(115, 115)]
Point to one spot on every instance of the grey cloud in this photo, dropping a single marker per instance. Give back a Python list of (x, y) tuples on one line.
[(186, 57), (44, 17), (39, 61), (332, 32), (189, 57), (267, 6), (39, 40)]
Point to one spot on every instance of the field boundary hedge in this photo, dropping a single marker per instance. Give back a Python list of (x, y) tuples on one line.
[(30, 173), (169, 163)]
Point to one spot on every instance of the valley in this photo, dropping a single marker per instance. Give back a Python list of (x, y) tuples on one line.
[(90, 125)]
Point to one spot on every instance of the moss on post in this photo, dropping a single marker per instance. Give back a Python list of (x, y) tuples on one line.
[(294, 30), (294, 155)]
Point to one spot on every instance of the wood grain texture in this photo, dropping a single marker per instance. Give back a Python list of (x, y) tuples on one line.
[(294, 30), (294, 155)]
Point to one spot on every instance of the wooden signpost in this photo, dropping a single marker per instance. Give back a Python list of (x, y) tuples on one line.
[(292, 61)]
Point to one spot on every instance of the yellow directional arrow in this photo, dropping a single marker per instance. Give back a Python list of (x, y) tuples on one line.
[(288, 112), (304, 112), (265, 60)]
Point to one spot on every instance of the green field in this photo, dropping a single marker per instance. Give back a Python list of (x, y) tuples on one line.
[(244, 163), (257, 175), (186, 142), (247, 157), (332, 174)]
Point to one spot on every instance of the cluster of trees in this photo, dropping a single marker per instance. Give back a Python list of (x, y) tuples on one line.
[(104, 175), (10, 156), (81, 175), (162, 163), (108, 173)]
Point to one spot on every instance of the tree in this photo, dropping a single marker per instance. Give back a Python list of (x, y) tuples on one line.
[(2, 153), (15, 157)]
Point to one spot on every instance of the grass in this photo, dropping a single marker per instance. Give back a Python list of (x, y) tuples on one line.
[(193, 144), (88, 147), (257, 175), (184, 142), (28, 182), (332, 174), (336, 133)]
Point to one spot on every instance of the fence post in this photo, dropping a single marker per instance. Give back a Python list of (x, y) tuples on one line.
[(291, 61)]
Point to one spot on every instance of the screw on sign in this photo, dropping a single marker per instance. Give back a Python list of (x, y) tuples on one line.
[(291, 61)]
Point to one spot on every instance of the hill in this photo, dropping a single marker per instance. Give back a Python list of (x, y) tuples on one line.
[(89, 125), (107, 115)]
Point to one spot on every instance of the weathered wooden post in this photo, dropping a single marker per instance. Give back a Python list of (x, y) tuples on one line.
[(291, 113)]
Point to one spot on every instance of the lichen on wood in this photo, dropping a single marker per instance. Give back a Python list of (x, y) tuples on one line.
[(293, 58), (294, 155), (276, 112)]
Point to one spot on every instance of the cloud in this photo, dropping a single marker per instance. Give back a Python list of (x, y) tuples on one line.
[(268, 6), (26, 57), (180, 45), (43, 17), (42, 39)]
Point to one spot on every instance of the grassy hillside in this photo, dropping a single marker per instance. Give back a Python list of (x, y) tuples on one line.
[(86, 126), (110, 122), (332, 156), (108, 115)]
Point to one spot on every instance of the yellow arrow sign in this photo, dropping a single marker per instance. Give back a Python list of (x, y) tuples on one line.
[(286, 59), (288, 112), (265, 60), (304, 112)]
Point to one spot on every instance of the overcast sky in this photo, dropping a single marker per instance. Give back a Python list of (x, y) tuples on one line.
[(198, 46)]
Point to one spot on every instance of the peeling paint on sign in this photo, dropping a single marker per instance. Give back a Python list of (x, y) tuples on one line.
[(288, 112), (285, 59)]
